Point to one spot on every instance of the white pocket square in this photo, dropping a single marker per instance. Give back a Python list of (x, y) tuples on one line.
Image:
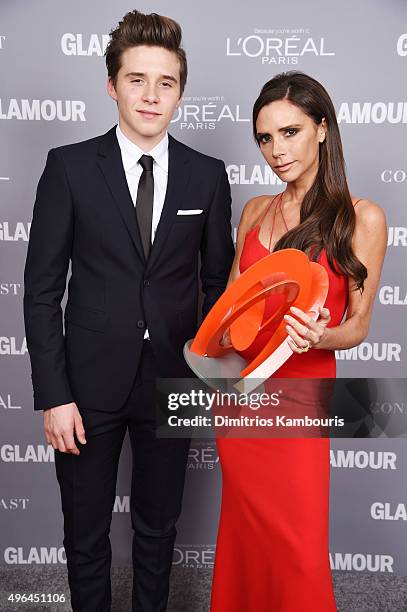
[(193, 211)]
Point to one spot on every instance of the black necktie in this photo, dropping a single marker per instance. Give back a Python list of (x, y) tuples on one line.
[(144, 201)]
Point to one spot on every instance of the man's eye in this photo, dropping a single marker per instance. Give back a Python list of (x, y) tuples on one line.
[(135, 81), (166, 84)]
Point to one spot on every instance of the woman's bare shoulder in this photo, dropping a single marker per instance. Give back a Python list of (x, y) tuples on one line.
[(254, 209), (368, 212)]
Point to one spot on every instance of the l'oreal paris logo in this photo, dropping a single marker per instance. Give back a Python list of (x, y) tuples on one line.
[(206, 116), (278, 49)]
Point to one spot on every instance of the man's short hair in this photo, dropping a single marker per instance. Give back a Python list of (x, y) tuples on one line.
[(151, 30)]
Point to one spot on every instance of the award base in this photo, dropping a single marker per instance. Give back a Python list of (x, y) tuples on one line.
[(221, 373)]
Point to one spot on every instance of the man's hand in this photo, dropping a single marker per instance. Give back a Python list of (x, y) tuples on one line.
[(60, 424)]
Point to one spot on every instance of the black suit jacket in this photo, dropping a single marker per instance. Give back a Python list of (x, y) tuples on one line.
[(84, 214)]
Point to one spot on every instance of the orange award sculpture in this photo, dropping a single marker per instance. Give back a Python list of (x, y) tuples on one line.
[(285, 278)]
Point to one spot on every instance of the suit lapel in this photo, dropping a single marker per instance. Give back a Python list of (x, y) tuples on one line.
[(178, 178), (110, 163)]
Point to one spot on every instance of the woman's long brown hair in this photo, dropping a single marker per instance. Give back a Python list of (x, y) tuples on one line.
[(327, 217)]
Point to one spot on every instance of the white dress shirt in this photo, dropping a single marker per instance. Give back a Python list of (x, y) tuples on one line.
[(131, 153)]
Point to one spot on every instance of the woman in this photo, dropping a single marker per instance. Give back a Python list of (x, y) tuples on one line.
[(272, 549)]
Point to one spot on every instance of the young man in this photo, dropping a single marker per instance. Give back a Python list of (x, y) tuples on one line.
[(132, 210)]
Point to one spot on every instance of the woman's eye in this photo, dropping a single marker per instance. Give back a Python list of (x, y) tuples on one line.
[(291, 131), (264, 138)]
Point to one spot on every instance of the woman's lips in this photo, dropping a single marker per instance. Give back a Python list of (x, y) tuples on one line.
[(285, 167)]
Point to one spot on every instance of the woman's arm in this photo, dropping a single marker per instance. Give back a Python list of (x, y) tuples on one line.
[(247, 221), (369, 245), (250, 214)]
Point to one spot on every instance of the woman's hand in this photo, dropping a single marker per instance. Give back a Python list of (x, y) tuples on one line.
[(306, 333)]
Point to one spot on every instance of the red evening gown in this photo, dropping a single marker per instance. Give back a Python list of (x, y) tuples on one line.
[(272, 552)]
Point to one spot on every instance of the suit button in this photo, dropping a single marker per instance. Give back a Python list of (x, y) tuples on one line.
[(140, 324), (146, 283)]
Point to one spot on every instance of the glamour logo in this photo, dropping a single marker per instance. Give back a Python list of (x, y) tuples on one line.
[(13, 453), (2, 41), (9, 346), (122, 504), (392, 295), (393, 176), (202, 458), (255, 175), (361, 562), (388, 511), (277, 50), (206, 116), (10, 288), (33, 555), (14, 503), (80, 44), (372, 112), (7, 403), (375, 460), (14, 232), (47, 110), (402, 45), (198, 557), (378, 351), (397, 236)]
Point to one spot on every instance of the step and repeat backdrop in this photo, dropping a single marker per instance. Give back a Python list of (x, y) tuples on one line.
[(53, 92)]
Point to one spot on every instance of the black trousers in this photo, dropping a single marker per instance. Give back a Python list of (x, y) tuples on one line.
[(88, 491)]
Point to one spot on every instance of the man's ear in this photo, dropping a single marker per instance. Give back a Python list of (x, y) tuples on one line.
[(111, 89)]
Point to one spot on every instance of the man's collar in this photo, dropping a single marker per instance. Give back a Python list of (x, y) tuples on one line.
[(131, 153)]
